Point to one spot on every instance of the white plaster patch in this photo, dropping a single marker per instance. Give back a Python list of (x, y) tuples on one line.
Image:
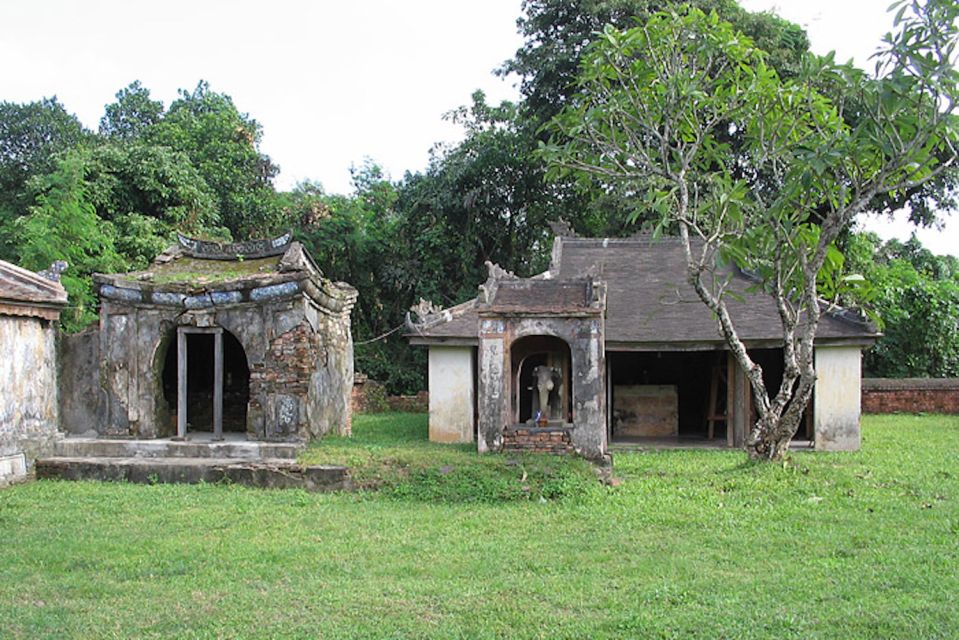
[(493, 367), (593, 371), (12, 467), (451, 394), (838, 390), (493, 326)]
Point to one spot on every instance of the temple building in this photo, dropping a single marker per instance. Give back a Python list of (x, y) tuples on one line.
[(213, 338), (612, 344)]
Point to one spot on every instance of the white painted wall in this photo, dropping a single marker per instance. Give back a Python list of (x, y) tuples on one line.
[(838, 390), (451, 394), (28, 392)]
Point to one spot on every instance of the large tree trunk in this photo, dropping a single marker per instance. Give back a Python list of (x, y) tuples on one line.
[(771, 435), (779, 415)]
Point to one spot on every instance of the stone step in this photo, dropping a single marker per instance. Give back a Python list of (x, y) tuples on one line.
[(268, 473), (80, 447)]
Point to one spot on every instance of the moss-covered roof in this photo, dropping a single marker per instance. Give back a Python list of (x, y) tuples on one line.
[(181, 278), (196, 271)]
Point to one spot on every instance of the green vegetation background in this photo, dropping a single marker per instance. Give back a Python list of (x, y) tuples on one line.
[(111, 200)]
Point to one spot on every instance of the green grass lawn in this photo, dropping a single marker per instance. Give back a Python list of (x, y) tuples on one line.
[(691, 544)]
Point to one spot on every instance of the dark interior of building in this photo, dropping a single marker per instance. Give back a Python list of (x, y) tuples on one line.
[(690, 372), (200, 378)]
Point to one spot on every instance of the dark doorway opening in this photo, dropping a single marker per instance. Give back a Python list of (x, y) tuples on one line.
[(667, 394), (201, 381), (771, 360)]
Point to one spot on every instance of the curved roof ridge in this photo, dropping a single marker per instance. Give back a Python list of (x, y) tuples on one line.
[(22, 285)]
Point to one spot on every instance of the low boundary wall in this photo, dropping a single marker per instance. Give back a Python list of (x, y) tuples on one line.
[(370, 396), (910, 395)]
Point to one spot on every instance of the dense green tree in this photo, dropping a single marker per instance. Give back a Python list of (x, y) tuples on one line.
[(132, 114), (31, 137), (556, 32), (655, 106), (63, 225), (148, 192), (223, 146), (915, 294)]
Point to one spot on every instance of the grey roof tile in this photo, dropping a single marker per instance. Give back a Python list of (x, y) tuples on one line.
[(649, 300)]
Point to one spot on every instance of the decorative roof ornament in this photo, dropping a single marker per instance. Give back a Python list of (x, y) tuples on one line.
[(561, 228), (248, 249), (53, 273), (495, 273)]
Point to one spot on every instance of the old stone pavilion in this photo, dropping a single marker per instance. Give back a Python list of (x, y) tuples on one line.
[(611, 344), (212, 338)]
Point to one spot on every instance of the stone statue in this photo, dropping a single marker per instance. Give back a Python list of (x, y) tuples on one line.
[(546, 380)]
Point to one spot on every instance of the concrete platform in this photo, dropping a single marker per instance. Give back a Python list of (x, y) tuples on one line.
[(199, 458), (266, 473), (233, 446), (674, 443)]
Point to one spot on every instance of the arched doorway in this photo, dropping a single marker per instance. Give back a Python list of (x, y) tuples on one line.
[(206, 381), (536, 359)]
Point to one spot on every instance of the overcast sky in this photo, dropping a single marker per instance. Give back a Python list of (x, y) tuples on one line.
[(331, 82)]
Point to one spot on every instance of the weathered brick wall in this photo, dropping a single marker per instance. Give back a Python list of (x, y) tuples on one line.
[(284, 377), (369, 396), (554, 440), (420, 403), (910, 395), (289, 362)]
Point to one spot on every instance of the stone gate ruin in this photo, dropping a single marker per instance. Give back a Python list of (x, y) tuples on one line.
[(246, 337)]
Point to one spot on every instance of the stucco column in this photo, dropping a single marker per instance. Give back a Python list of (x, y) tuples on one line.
[(452, 402), (589, 390), (493, 400), (838, 390)]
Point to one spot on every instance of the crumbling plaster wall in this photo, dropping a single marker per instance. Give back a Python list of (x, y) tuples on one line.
[(82, 400), (586, 339), (301, 386), (329, 405), (300, 361), (28, 388)]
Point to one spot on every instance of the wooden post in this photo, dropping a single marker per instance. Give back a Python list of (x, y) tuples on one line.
[(731, 367), (218, 385), (181, 383), (609, 399)]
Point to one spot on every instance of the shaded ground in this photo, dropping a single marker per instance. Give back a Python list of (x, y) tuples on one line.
[(692, 544)]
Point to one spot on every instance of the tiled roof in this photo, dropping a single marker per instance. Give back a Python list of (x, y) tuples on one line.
[(25, 293), (532, 295), (649, 301)]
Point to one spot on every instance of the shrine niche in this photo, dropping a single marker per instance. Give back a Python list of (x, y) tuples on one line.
[(541, 349)]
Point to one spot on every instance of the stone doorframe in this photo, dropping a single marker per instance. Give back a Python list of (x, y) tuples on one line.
[(181, 386), (584, 334)]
